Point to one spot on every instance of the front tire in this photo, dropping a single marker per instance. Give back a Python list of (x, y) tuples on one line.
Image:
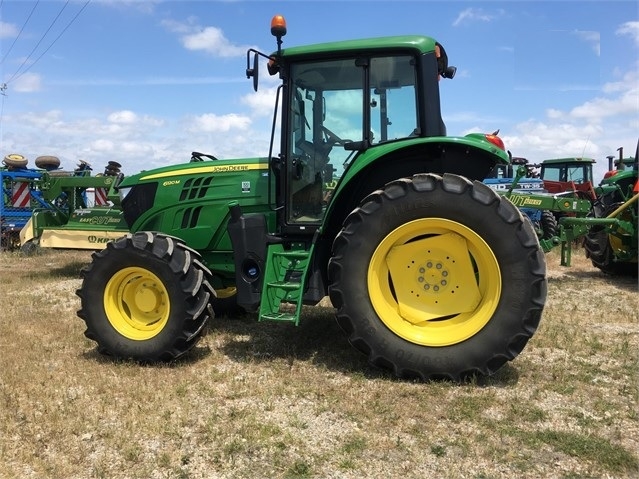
[(548, 225), (437, 277), (145, 297)]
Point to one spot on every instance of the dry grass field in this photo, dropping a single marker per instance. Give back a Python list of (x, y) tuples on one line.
[(275, 401)]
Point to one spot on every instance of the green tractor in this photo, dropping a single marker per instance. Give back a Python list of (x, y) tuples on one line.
[(612, 246), (432, 273)]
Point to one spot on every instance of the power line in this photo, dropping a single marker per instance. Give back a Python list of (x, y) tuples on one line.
[(39, 41), (20, 32), (15, 75)]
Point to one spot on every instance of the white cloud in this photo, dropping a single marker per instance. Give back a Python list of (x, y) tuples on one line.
[(628, 80), (212, 40), (261, 102), (603, 108), (618, 99), (592, 38), (471, 15), (210, 122), (123, 117), (8, 30), (631, 29), (28, 82), (103, 146), (208, 39), (554, 113)]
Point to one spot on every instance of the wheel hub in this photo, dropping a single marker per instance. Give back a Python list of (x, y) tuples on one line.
[(147, 298), (136, 303), (433, 278)]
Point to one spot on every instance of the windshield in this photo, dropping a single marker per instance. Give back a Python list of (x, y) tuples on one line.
[(331, 109), (567, 172)]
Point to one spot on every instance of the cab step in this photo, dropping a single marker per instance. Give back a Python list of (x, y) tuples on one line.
[(284, 282)]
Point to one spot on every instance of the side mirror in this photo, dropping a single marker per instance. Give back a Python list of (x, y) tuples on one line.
[(254, 71), (449, 72)]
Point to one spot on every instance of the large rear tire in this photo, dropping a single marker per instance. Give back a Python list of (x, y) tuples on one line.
[(145, 297), (437, 277)]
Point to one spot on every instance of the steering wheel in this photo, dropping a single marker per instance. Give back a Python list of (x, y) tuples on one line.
[(321, 150), (197, 156), (332, 138), (312, 151)]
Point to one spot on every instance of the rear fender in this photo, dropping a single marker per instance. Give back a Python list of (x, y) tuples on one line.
[(469, 156)]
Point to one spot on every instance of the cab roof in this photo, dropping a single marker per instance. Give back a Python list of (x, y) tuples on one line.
[(568, 160), (416, 43)]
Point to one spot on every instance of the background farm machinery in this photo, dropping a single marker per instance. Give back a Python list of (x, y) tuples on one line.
[(519, 177), (50, 208), (19, 197), (21, 194), (53, 208), (611, 241), (603, 217)]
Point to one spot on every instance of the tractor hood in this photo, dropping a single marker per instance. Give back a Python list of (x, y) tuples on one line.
[(182, 200), (194, 168)]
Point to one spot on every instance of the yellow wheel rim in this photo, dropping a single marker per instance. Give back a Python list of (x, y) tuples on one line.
[(136, 303), (434, 282)]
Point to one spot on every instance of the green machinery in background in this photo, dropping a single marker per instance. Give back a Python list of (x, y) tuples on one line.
[(609, 227), (67, 217), (611, 243)]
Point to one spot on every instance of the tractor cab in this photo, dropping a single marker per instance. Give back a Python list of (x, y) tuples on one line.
[(340, 100), (332, 116), (576, 170), (569, 175)]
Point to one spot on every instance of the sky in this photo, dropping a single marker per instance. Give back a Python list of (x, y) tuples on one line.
[(145, 83)]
